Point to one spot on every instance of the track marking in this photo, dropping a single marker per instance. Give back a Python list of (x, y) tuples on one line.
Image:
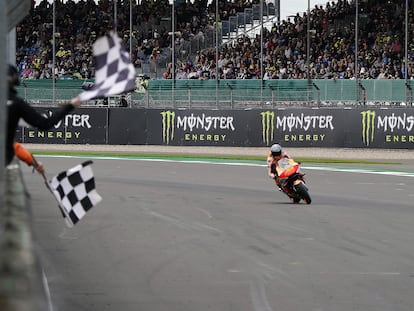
[(197, 226), (253, 164), (258, 295), (205, 212), (47, 291)]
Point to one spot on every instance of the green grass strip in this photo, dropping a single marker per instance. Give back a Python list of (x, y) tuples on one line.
[(192, 156)]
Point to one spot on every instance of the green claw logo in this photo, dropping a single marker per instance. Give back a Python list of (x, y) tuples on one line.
[(268, 126), (168, 126), (368, 126)]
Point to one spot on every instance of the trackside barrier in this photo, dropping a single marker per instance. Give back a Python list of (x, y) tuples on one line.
[(218, 94), (21, 278)]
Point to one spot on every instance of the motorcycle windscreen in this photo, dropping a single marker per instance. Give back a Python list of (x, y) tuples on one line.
[(286, 167)]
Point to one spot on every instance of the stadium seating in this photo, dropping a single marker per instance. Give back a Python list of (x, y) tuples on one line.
[(332, 50)]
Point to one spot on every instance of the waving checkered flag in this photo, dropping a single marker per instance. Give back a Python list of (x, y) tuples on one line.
[(75, 192), (115, 74)]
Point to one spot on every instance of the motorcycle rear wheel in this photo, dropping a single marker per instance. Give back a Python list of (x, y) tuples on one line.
[(303, 193)]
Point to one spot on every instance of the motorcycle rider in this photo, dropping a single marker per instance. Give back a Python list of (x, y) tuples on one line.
[(275, 154), (295, 191)]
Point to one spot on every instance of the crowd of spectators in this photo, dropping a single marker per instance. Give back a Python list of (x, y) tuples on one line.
[(78, 24), (332, 53)]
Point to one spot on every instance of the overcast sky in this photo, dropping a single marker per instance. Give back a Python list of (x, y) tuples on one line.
[(291, 7)]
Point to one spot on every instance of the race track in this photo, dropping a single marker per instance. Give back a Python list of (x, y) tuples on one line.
[(172, 236)]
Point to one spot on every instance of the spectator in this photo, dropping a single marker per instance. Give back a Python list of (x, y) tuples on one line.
[(332, 42)]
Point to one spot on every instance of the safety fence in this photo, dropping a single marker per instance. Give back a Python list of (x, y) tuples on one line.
[(233, 94), (348, 127)]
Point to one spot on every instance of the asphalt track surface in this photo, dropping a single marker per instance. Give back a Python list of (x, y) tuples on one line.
[(171, 236)]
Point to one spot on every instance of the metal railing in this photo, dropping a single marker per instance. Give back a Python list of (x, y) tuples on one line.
[(240, 94)]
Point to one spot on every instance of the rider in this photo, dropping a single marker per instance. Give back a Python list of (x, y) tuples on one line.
[(274, 155)]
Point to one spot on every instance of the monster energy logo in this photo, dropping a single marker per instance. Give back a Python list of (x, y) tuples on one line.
[(368, 126), (268, 126), (168, 126)]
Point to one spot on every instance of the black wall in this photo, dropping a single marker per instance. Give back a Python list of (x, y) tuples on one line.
[(353, 128)]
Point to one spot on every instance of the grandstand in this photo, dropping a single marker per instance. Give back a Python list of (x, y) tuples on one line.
[(237, 48)]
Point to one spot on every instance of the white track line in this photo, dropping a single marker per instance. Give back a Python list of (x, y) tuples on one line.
[(319, 168)]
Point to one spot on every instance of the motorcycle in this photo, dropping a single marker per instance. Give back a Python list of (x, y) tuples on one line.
[(292, 181)]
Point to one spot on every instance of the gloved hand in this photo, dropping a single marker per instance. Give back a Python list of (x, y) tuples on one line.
[(38, 166)]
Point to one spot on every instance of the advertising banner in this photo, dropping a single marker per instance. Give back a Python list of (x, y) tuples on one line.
[(197, 127), (81, 126), (300, 127), (127, 126), (384, 128), (317, 128), (327, 127)]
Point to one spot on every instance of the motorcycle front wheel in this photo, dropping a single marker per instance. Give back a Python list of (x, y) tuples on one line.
[(303, 193)]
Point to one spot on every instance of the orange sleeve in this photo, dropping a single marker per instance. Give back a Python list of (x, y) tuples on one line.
[(23, 154)]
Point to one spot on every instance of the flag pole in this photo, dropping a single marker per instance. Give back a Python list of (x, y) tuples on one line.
[(54, 54), (62, 210), (130, 29), (173, 53), (217, 51), (115, 15)]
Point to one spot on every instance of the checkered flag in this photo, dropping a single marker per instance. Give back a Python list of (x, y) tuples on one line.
[(115, 74), (75, 192)]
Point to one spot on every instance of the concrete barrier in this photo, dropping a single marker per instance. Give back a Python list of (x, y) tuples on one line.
[(21, 276)]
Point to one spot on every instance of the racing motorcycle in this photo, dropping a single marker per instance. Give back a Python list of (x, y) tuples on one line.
[(292, 181)]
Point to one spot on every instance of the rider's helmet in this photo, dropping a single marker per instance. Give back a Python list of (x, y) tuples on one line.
[(12, 76), (276, 150)]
